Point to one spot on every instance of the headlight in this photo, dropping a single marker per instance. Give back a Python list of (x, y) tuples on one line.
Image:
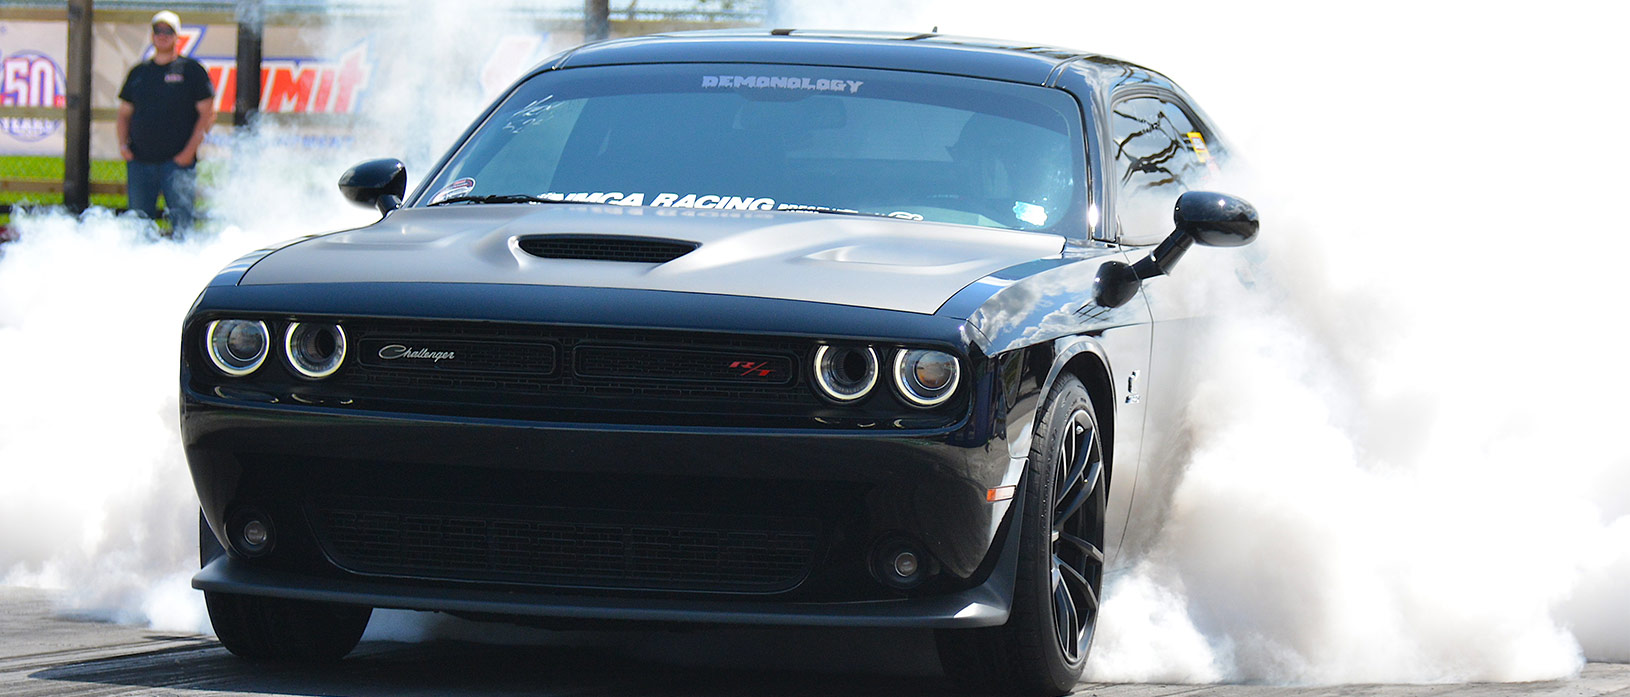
[(926, 378), (236, 346), (845, 373), (314, 350)]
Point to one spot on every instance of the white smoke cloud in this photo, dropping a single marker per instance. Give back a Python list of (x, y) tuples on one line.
[(97, 499), (1404, 468), (1404, 464)]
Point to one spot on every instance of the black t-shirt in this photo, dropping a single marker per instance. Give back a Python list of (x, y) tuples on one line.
[(166, 99)]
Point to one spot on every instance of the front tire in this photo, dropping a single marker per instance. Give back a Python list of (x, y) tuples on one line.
[(279, 629), (1042, 650)]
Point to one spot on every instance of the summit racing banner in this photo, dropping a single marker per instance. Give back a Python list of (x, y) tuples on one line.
[(295, 78), (288, 85), (328, 68), (297, 85), (33, 56)]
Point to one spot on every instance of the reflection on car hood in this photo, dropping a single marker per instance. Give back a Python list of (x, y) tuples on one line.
[(846, 260)]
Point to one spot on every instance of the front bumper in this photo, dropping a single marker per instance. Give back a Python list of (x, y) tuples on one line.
[(985, 605), (450, 485)]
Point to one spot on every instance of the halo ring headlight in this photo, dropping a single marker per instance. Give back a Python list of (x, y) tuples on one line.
[(845, 373), (314, 350), (925, 377), (237, 347)]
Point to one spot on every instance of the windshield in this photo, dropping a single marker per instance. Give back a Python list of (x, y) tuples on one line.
[(782, 137)]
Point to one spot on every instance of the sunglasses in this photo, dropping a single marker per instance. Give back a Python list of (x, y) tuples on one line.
[(163, 29)]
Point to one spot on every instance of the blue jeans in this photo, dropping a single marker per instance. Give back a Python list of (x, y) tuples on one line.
[(147, 179)]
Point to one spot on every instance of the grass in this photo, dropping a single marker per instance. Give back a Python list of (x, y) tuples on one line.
[(50, 169)]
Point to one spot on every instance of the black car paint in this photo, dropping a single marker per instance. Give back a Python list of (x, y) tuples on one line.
[(998, 319)]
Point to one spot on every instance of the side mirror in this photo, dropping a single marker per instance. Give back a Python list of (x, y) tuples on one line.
[(1212, 219), (377, 183), (1115, 284)]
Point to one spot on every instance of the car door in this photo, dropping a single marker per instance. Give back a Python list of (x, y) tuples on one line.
[(1159, 148), (1121, 333)]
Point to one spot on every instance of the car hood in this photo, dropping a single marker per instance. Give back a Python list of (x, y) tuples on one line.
[(885, 263)]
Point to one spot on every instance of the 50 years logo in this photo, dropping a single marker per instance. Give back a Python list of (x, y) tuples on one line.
[(30, 78)]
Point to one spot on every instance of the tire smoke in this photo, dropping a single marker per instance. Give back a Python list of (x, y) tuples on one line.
[(1402, 462), (1405, 465), (96, 497)]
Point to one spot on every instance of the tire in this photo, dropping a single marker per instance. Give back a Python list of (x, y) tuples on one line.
[(278, 629), (1043, 647)]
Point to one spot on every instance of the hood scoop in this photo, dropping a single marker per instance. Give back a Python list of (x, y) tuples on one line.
[(640, 250)]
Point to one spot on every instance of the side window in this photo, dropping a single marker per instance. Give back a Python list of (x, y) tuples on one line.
[(1159, 154)]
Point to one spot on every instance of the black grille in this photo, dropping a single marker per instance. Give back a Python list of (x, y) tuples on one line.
[(458, 356), (580, 374), (521, 364), (567, 547), (644, 250)]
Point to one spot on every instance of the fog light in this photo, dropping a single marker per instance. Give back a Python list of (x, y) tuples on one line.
[(901, 563), (251, 533), (255, 534), (905, 564)]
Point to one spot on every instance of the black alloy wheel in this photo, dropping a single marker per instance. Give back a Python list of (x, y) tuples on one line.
[(1077, 538), (1043, 648)]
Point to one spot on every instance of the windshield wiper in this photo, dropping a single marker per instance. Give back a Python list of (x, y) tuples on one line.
[(501, 198)]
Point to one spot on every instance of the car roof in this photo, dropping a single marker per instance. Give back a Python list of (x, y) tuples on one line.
[(929, 52)]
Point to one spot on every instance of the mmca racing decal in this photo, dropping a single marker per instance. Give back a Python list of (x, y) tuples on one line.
[(667, 200), (712, 201)]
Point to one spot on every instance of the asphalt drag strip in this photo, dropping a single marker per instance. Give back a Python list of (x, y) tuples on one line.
[(43, 653)]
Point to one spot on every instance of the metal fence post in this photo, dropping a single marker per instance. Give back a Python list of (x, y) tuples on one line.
[(596, 20), (251, 28), (76, 156)]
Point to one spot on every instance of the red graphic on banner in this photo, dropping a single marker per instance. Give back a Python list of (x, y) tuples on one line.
[(294, 86)]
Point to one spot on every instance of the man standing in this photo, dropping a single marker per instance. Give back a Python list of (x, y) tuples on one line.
[(165, 107)]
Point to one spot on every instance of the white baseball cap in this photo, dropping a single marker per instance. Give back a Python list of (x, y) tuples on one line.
[(167, 17)]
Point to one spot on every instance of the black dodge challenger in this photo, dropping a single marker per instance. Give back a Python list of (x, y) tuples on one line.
[(748, 327)]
